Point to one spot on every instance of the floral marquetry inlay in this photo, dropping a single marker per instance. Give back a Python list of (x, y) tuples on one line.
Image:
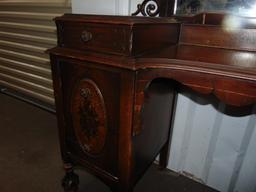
[(89, 116)]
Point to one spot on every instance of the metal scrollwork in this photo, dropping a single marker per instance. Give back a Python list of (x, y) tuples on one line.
[(148, 8)]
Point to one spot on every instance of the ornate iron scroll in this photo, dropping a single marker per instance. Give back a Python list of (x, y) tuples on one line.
[(148, 8), (152, 8)]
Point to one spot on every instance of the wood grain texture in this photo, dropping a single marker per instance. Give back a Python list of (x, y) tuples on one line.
[(89, 116), (136, 72)]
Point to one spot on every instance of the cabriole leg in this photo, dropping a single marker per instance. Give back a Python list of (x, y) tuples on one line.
[(70, 181)]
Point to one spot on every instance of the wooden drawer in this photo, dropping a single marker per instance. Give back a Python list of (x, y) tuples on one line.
[(129, 38), (96, 37)]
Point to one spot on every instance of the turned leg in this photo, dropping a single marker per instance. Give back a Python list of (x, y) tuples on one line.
[(71, 180)]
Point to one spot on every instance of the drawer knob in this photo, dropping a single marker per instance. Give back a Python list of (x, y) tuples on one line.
[(86, 36)]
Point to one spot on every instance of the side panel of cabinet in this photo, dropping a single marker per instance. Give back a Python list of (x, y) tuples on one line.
[(155, 122), (91, 98)]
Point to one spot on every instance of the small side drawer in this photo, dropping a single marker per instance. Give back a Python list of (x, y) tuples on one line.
[(104, 38)]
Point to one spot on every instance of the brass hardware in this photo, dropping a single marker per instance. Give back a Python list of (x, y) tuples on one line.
[(87, 147), (85, 92), (86, 36)]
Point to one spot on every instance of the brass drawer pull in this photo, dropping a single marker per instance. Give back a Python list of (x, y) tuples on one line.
[(86, 36)]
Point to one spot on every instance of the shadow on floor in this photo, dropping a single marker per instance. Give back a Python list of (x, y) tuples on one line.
[(30, 157)]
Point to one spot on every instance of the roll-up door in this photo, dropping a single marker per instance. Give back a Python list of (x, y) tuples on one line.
[(26, 32)]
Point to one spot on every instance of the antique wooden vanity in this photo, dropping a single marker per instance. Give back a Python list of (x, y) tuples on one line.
[(116, 79)]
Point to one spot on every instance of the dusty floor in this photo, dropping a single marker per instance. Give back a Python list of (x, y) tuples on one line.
[(30, 158)]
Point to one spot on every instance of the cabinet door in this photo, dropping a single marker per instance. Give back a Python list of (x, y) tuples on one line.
[(91, 105)]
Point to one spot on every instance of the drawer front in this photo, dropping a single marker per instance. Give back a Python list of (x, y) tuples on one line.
[(96, 37), (91, 105)]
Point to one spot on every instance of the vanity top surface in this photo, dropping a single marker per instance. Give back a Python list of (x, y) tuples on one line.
[(111, 19)]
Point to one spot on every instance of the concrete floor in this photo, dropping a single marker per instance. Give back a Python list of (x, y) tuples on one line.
[(30, 157)]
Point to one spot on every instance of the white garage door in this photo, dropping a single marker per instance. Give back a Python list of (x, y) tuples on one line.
[(26, 32)]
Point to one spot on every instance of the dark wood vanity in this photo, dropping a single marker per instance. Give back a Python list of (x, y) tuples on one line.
[(116, 79)]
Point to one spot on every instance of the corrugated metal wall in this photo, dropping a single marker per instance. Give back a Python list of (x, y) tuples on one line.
[(213, 144), (26, 31)]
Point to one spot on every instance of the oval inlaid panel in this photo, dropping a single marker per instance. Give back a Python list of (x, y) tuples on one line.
[(89, 116)]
